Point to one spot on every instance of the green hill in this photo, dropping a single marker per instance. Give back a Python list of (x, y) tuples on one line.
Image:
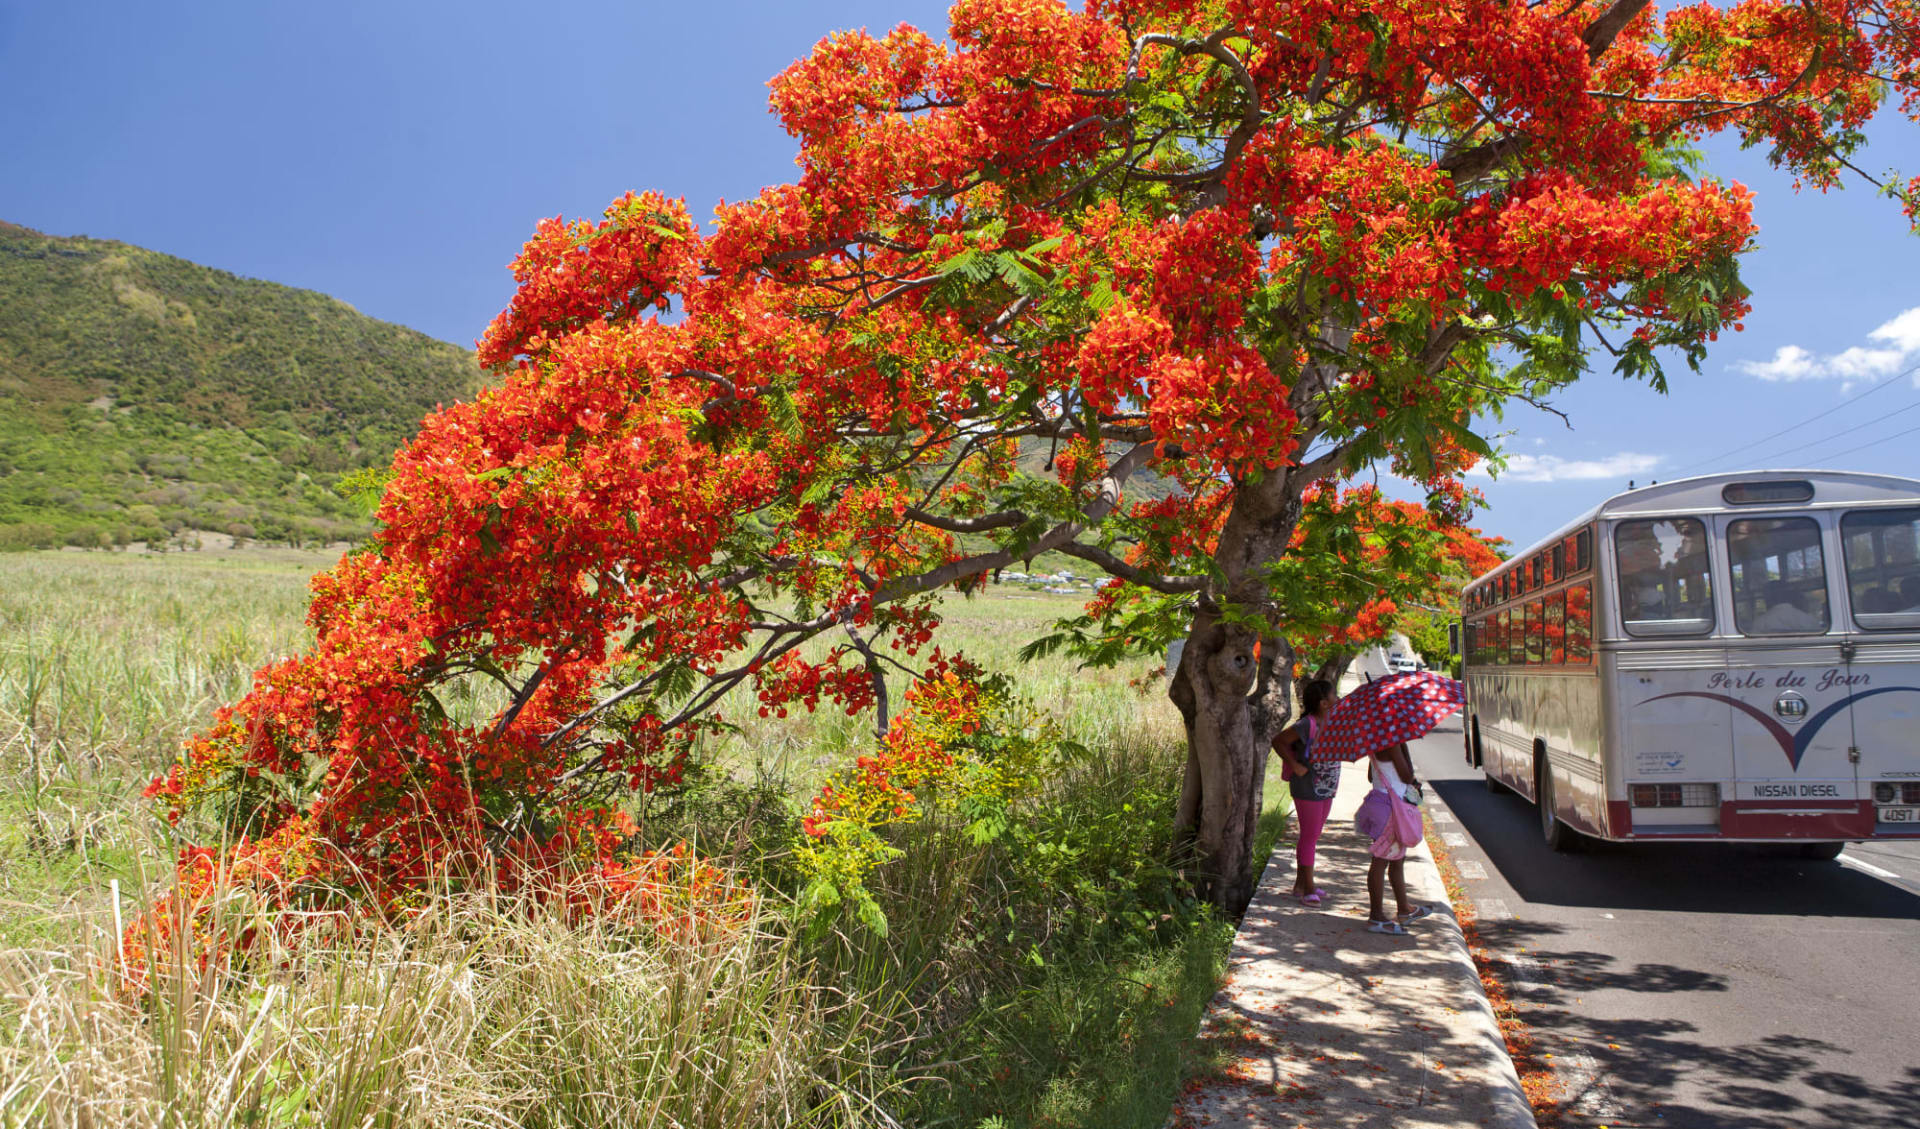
[(142, 395)]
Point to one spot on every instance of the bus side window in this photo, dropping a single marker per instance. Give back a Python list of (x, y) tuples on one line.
[(1580, 624), (1536, 637), (1517, 636), (1556, 629), (1500, 637)]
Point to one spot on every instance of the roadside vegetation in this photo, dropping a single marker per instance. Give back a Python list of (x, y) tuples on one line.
[(1050, 974)]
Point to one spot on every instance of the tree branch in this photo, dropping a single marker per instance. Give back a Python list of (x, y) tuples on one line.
[(1132, 574), (1005, 519), (1601, 33), (874, 672)]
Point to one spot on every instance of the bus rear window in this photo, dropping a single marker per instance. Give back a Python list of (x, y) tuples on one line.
[(1779, 576), (1882, 549), (1664, 577)]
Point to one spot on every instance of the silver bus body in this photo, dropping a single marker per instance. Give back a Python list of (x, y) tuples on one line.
[(1693, 690)]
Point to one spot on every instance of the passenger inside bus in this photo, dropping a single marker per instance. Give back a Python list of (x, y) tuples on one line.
[(1645, 601), (1879, 601), (1783, 614)]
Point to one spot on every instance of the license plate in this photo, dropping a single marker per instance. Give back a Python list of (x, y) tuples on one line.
[(1898, 815)]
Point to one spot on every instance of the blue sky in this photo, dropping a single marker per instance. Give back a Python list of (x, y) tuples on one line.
[(397, 155)]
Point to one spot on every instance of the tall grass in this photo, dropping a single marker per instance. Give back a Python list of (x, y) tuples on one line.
[(1050, 977), (107, 662), (478, 1012)]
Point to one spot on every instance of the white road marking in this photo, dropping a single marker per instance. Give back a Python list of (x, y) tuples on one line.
[(1576, 1069), (1525, 969), (1472, 870), (1442, 815), (1582, 1076), (1857, 864), (1453, 838), (1493, 909)]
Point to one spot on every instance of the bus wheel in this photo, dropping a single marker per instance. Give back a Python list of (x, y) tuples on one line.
[(1557, 835), (1821, 852)]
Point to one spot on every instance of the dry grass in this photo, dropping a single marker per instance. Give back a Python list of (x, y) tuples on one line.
[(484, 1012), (475, 1013)]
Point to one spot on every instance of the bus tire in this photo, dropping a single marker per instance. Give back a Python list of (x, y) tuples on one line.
[(1821, 852), (1557, 835)]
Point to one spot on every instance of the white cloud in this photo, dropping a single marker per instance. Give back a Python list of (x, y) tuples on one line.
[(1553, 468), (1896, 345), (1790, 362), (1903, 332)]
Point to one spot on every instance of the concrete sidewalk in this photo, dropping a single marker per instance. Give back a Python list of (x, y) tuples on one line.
[(1329, 1025)]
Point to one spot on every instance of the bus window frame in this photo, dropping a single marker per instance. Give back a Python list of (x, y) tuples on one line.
[(1734, 590), (1904, 620), (1692, 627)]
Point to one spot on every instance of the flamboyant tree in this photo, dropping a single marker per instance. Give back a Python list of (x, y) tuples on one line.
[(1249, 246)]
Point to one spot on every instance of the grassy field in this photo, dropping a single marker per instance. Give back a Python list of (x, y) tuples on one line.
[(1054, 983)]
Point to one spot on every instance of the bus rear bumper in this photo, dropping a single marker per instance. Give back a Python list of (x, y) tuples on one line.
[(1758, 821)]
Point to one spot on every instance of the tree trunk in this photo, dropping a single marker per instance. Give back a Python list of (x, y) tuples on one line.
[(1334, 669), (1232, 688)]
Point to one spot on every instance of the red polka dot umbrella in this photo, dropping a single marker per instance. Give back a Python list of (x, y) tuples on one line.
[(1386, 712)]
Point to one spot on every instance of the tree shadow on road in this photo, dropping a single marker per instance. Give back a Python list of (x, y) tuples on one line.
[(1668, 877), (1655, 1071)]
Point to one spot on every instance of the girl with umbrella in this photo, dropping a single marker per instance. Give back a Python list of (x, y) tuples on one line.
[(1377, 720)]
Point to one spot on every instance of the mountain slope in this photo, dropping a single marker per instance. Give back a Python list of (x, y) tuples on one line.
[(141, 394)]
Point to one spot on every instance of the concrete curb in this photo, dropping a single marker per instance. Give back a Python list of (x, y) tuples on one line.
[(1512, 1110)]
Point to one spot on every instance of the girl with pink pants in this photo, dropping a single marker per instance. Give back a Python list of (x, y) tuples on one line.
[(1311, 783)]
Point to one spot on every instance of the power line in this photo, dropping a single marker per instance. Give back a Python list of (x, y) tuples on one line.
[(1874, 443), (1799, 423), (1844, 431)]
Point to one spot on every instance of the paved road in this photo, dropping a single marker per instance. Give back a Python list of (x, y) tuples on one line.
[(1699, 986)]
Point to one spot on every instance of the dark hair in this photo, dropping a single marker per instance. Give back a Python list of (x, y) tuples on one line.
[(1313, 694)]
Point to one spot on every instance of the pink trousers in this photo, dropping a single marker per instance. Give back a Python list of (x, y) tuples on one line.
[(1312, 815)]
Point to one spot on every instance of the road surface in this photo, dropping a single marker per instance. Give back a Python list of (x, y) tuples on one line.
[(1698, 986)]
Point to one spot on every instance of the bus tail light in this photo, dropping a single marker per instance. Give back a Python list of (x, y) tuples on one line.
[(1675, 795), (1896, 792)]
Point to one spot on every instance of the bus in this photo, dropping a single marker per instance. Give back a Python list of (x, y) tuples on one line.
[(1730, 657)]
